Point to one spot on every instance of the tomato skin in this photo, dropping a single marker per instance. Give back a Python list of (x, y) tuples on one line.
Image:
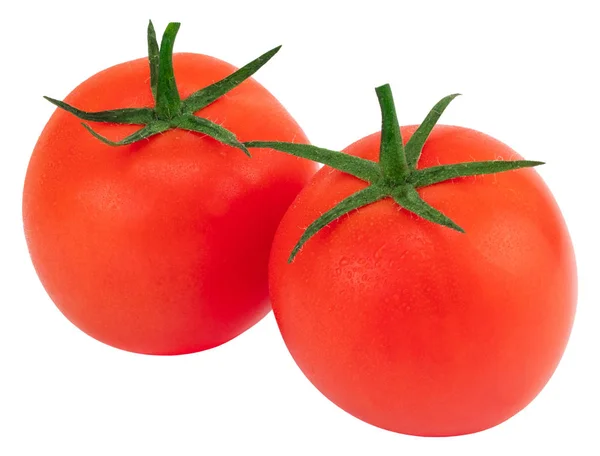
[(162, 246), (414, 327)]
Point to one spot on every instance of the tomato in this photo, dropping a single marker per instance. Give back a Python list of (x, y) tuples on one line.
[(160, 246), (415, 327)]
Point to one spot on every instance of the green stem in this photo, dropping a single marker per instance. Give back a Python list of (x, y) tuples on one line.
[(167, 95), (153, 58), (392, 158)]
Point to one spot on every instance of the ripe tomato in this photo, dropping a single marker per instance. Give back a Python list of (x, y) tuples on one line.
[(160, 246), (414, 327)]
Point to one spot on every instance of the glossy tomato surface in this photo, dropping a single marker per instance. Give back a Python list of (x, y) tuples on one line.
[(414, 327), (161, 246)]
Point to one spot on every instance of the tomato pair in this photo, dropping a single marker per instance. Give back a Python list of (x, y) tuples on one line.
[(415, 289)]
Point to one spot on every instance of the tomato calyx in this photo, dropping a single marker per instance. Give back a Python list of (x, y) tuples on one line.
[(395, 175), (170, 111)]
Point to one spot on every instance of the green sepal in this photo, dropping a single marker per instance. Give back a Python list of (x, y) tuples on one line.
[(415, 144), (149, 130), (205, 126), (366, 170), (436, 174), (409, 199), (207, 95), (359, 199), (128, 116)]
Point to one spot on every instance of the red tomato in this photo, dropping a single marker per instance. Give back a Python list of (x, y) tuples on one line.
[(160, 246), (417, 328)]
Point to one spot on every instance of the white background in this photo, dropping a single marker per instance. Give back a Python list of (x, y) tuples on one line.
[(528, 72)]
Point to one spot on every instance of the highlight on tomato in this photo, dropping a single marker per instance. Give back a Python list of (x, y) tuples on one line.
[(149, 226), (424, 280)]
